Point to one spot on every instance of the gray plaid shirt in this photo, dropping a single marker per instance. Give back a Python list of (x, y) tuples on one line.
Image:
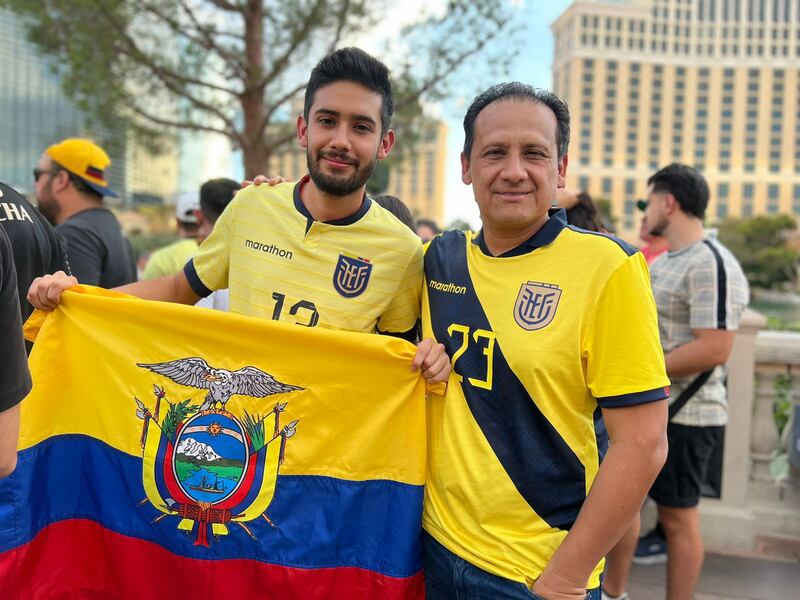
[(700, 286)]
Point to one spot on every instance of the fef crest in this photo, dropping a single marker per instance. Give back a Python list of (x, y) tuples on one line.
[(536, 305), (351, 276)]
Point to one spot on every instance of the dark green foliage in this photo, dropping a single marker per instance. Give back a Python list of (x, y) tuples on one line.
[(760, 244), (782, 403), (379, 181), (460, 225)]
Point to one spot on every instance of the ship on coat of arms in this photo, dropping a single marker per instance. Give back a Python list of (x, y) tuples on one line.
[(204, 464)]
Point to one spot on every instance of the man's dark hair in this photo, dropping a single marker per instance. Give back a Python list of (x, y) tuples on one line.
[(519, 91), (353, 64), (398, 208), (686, 184), (215, 195), (585, 214), (79, 184), (431, 224)]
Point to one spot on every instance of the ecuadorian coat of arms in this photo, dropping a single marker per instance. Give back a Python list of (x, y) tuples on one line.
[(205, 465)]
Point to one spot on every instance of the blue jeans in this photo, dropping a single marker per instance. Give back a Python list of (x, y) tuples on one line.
[(448, 577)]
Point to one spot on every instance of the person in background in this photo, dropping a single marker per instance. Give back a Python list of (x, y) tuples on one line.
[(701, 293), (654, 245), (581, 210), (70, 182), (215, 195), (427, 229), (36, 246), (171, 258), (398, 208)]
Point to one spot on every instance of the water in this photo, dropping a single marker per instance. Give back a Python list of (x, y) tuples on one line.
[(786, 312), (211, 478)]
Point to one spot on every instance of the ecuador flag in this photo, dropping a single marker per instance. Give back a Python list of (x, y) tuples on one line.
[(170, 451)]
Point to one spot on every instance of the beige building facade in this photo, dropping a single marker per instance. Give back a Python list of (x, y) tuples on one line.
[(417, 178), (711, 83)]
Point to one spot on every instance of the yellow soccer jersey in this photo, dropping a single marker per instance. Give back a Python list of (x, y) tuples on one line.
[(363, 273), (169, 259), (540, 339)]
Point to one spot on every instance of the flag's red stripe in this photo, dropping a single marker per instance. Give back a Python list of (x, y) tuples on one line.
[(81, 559)]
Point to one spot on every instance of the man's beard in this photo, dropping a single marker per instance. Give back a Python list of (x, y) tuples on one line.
[(337, 186), (659, 227), (47, 205)]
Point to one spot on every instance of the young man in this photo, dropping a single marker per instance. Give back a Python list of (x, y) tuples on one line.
[(554, 340), (701, 293), (315, 253), (70, 184)]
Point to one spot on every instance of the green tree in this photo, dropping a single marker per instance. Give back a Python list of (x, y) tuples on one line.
[(760, 244), (236, 67), (460, 225)]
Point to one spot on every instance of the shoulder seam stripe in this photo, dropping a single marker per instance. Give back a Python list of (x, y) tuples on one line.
[(722, 287), (627, 248)]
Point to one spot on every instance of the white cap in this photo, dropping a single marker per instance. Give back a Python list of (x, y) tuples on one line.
[(185, 205)]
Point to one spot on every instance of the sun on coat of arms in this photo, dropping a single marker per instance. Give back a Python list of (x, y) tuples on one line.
[(204, 464)]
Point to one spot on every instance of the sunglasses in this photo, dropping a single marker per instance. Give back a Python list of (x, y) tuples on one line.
[(37, 173)]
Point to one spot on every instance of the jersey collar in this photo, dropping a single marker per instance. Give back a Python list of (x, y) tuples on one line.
[(301, 208), (545, 236)]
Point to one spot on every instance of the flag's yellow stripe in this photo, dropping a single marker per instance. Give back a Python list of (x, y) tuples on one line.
[(86, 378)]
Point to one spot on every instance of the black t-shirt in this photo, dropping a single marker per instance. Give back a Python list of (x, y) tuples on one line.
[(98, 251), (36, 247), (15, 379)]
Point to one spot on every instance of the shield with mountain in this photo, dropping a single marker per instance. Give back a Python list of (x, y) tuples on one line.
[(204, 464)]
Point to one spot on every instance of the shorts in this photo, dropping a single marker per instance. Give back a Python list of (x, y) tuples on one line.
[(691, 449)]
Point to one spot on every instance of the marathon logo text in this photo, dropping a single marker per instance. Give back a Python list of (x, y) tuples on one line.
[(450, 288), (268, 249)]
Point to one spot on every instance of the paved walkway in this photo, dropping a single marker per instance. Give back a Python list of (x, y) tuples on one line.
[(725, 578)]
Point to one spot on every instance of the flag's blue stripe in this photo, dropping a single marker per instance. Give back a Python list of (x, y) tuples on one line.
[(322, 521)]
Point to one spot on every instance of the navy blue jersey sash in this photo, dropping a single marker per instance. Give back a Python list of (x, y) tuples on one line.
[(542, 466)]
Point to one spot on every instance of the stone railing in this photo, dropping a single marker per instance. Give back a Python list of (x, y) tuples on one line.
[(752, 504)]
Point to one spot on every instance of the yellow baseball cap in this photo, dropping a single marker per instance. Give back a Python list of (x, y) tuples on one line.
[(85, 159)]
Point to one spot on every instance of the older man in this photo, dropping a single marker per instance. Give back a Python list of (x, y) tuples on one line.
[(554, 340)]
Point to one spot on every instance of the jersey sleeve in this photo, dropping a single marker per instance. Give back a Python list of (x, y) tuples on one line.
[(621, 347), (208, 269), (403, 311)]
